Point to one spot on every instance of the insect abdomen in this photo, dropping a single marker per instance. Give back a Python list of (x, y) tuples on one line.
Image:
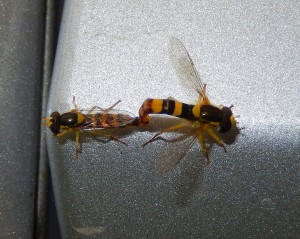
[(103, 120), (166, 106)]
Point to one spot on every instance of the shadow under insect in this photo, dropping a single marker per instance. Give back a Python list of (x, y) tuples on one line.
[(181, 140), (188, 180)]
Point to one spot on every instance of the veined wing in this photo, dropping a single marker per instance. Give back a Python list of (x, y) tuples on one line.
[(175, 151), (185, 68), (183, 137), (104, 111)]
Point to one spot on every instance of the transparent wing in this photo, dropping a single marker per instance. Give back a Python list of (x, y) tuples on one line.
[(175, 151), (112, 111), (98, 109), (185, 68)]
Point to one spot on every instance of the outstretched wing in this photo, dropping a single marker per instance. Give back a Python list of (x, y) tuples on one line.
[(174, 152), (185, 68)]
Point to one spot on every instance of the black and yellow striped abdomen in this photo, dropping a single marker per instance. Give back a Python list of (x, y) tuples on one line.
[(169, 107), (206, 113)]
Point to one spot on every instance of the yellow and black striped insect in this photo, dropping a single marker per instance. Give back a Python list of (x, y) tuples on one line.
[(201, 117), (94, 121)]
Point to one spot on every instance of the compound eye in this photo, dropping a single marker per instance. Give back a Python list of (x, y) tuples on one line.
[(225, 126), (55, 128), (55, 117)]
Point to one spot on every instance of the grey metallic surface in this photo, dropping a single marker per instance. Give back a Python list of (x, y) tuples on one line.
[(249, 56), (43, 216), (21, 51)]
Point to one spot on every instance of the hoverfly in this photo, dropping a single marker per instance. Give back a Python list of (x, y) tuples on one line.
[(94, 121), (201, 117)]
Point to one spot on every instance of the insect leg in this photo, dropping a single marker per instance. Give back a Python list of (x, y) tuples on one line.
[(203, 146), (216, 138), (93, 108), (75, 105), (173, 128), (111, 107), (77, 144), (77, 140), (97, 133), (104, 110), (62, 133), (171, 156), (116, 139)]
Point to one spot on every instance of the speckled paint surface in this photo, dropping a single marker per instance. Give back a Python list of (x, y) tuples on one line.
[(249, 56)]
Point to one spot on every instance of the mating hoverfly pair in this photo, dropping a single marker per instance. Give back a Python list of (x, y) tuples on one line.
[(201, 117)]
